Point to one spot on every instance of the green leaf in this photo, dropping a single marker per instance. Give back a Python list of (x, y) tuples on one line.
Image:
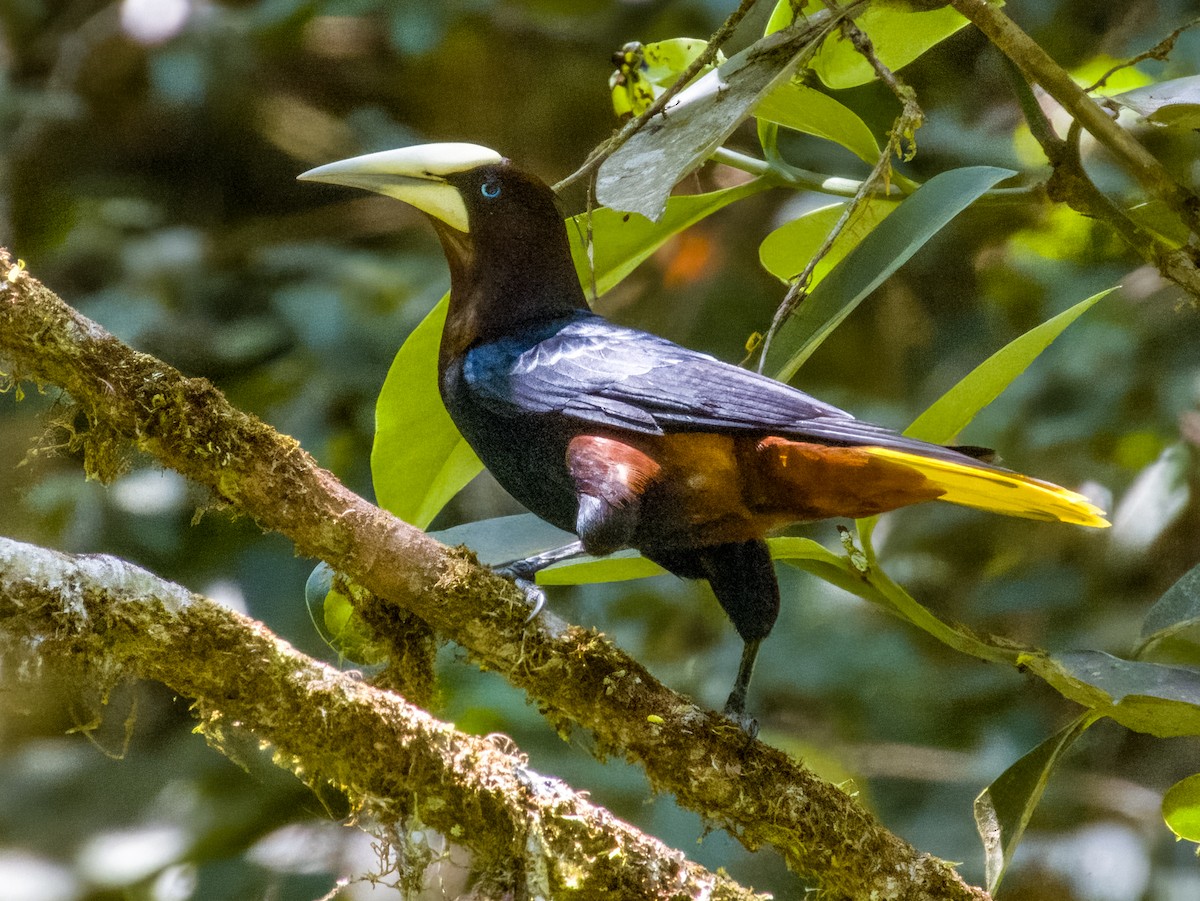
[(786, 251), (622, 241), (917, 219), (1147, 697), (619, 567), (646, 70), (1157, 217), (804, 109), (640, 174), (1176, 612), (1181, 808), (419, 460), (506, 538), (1174, 103), (336, 620), (1003, 809), (954, 410), (899, 36)]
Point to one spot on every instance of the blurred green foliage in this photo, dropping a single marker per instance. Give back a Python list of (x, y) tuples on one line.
[(147, 160)]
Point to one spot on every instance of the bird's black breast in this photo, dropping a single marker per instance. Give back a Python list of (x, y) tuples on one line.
[(524, 450)]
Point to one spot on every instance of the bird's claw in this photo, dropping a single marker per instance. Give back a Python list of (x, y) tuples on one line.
[(744, 721), (534, 596), (735, 712)]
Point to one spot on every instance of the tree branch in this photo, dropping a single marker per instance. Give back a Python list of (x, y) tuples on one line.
[(1040, 68), (392, 759), (756, 792), (1069, 183)]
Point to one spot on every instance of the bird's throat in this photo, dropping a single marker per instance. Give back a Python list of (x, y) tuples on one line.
[(498, 289)]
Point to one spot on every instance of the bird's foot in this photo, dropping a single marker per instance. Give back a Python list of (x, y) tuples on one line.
[(518, 570), (523, 572), (735, 712), (534, 596)]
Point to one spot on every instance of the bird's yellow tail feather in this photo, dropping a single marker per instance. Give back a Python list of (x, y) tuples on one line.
[(1000, 491)]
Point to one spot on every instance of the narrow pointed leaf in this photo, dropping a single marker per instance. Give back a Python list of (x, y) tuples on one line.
[(1003, 809), (619, 567), (954, 410), (892, 243)]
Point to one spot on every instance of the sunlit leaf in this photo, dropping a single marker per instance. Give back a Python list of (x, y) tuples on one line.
[(1157, 217), (954, 410), (1181, 808), (646, 70), (804, 109), (622, 241), (891, 244), (619, 567), (419, 460), (898, 34), (1175, 618), (1003, 809), (786, 251)]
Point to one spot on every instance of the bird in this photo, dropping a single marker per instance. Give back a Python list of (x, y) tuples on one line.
[(629, 440)]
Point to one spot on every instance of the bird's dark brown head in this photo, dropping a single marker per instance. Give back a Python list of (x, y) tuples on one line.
[(503, 234)]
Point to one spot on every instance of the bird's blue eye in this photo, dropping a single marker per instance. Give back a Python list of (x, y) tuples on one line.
[(490, 189)]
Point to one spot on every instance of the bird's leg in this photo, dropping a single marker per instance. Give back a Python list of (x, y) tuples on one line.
[(743, 579), (735, 706), (527, 567), (522, 572)]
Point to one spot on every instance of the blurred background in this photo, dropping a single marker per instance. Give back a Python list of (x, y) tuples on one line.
[(148, 154)]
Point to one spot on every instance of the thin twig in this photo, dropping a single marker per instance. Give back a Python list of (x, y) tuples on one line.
[(906, 123), (1039, 123), (1159, 51), (1039, 67), (706, 57)]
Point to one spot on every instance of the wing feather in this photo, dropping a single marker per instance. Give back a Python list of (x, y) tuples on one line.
[(598, 373)]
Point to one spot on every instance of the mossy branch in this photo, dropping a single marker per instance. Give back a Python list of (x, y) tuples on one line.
[(392, 759), (575, 675)]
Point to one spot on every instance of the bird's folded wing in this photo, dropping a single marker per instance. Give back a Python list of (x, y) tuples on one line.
[(599, 373)]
